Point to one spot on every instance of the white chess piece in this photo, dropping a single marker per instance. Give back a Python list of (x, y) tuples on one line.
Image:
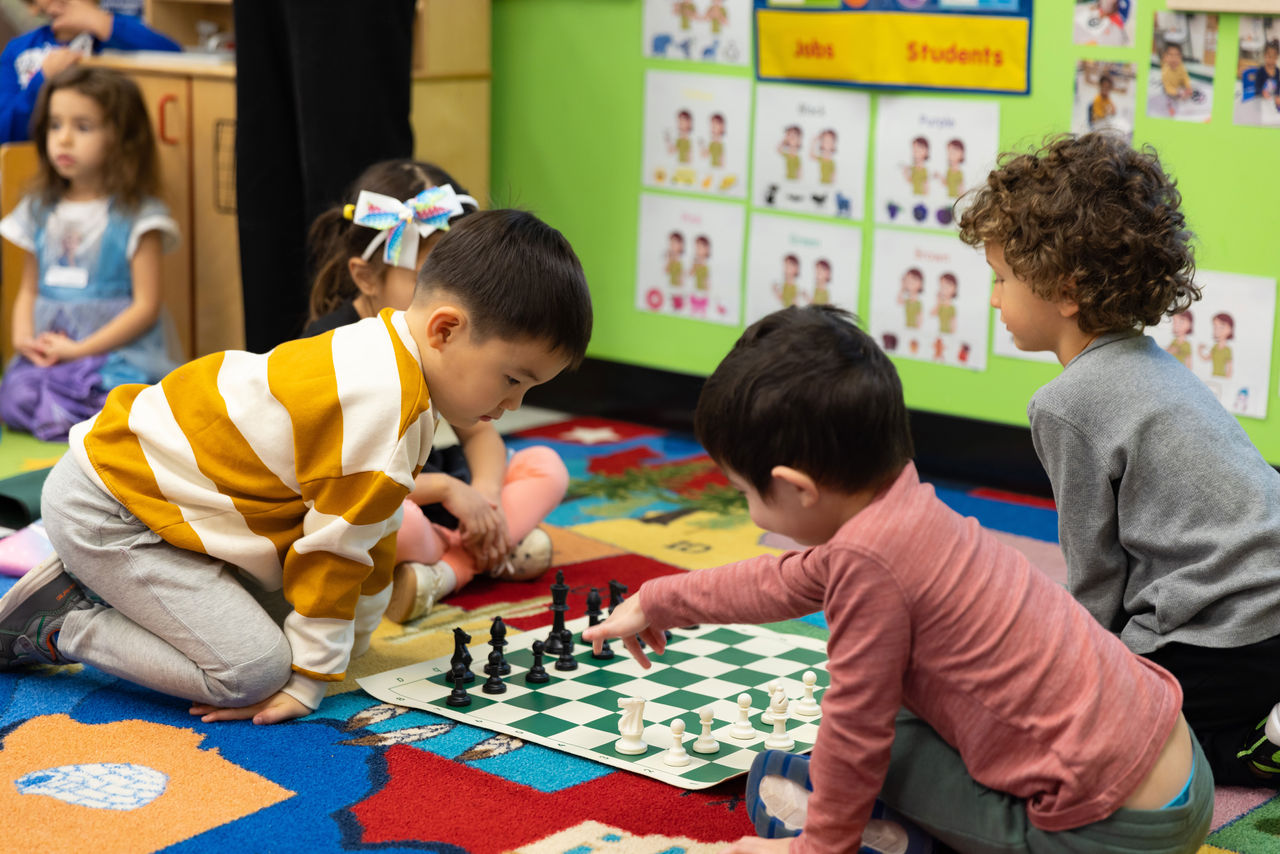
[(706, 742), (766, 717), (808, 706), (779, 739), (676, 754), (743, 728), (631, 727)]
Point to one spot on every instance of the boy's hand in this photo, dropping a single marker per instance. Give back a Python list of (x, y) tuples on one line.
[(756, 845), (81, 16), (276, 708), (481, 523), (57, 60), (629, 623)]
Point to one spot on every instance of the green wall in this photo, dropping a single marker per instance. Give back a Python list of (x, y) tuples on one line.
[(568, 87)]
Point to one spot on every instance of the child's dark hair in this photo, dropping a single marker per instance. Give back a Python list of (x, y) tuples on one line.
[(516, 276), (806, 388), (1094, 220), (334, 239), (129, 171), (1273, 45)]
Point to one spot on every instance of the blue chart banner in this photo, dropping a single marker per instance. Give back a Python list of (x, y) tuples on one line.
[(939, 45)]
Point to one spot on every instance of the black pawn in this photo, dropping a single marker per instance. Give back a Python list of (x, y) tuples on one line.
[(566, 661), (459, 697), (494, 684), (537, 673)]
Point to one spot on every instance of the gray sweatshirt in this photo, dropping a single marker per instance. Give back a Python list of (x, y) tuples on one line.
[(1169, 517)]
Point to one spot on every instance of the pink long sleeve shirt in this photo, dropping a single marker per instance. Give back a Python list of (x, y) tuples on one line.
[(928, 611)]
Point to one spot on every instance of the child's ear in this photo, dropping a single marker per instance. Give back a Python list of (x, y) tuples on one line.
[(794, 484), (444, 325), (362, 274), (1067, 305)]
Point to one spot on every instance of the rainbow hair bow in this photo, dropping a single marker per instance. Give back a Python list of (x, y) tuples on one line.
[(401, 225)]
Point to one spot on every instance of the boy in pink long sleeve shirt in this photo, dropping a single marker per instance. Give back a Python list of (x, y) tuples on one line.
[(1028, 727)]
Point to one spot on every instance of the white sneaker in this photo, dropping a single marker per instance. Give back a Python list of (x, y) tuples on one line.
[(531, 557), (416, 588), (1272, 727)]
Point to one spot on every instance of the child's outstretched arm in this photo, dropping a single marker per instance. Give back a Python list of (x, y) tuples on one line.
[(629, 623), (487, 538), (128, 324)]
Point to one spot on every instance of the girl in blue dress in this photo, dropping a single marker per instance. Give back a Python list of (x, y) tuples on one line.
[(87, 316)]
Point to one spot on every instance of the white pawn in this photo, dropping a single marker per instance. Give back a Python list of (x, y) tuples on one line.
[(743, 728), (676, 754), (766, 717), (631, 727), (706, 742), (808, 706), (779, 739)]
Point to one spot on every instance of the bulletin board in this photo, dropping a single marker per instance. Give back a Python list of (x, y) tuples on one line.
[(588, 97)]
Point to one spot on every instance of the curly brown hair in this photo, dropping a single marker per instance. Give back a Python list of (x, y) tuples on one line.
[(1091, 219)]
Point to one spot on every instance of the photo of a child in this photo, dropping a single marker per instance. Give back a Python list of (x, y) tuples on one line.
[(1105, 97), (1257, 88), (1183, 53)]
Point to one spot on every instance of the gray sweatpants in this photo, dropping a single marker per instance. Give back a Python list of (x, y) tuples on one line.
[(174, 620), (929, 784)]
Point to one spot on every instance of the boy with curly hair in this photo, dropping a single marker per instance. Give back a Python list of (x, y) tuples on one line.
[(1169, 517)]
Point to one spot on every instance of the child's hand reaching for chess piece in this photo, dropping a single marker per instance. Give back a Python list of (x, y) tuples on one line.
[(629, 623)]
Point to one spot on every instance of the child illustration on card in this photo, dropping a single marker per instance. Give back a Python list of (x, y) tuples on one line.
[(909, 296), (1180, 347), (682, 148), (788, 290), (714, 149), (821, 282), (945, 310), (789, 148), (917, 174), (824, 151), (686, 11), (1219, 355), (717, 16), (700, 272), (953, 178), (675, 259)]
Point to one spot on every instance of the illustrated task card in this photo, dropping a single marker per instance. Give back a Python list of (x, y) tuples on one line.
[(1106, 94), (792, 261), (695, 132), (928, 153), (930, 298), (690, 258), (810, 149), (1225, 338), (715, 31)]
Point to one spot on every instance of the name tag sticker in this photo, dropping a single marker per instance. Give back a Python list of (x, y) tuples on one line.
[(67, 277)]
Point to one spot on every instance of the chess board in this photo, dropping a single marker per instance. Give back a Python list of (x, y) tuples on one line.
[(577, 711)]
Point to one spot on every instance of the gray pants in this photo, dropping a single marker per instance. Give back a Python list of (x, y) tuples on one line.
[(174, 620), (929, 784)]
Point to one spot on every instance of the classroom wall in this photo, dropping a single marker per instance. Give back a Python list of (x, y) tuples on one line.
[(568, 88)]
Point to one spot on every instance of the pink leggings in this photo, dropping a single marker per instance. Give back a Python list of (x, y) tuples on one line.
[(535, 483)]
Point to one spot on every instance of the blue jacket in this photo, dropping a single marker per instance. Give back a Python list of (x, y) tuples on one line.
[(21, 77)]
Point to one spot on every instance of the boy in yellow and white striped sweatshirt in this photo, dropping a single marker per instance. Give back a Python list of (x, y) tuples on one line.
[(227, 535)]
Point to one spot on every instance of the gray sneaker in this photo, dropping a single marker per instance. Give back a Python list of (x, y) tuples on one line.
[(32, 613)]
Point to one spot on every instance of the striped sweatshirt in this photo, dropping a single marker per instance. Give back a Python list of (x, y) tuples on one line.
[(929, 611), (290, 465)]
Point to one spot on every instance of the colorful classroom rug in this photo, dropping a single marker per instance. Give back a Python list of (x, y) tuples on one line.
[(91, 762)]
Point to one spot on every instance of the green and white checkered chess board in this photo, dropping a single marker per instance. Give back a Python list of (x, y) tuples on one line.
[(578, 712)]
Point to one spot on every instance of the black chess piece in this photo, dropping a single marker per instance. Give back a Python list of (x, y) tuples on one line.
[(458, 697), (566, 661), (537, 673), (559, 604), (593, 619), (462, 654), (497, 640), (771, 194), (494, 684), (616, 591)]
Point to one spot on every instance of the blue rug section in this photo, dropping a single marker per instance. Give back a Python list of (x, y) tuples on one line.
[(1039, 523)]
